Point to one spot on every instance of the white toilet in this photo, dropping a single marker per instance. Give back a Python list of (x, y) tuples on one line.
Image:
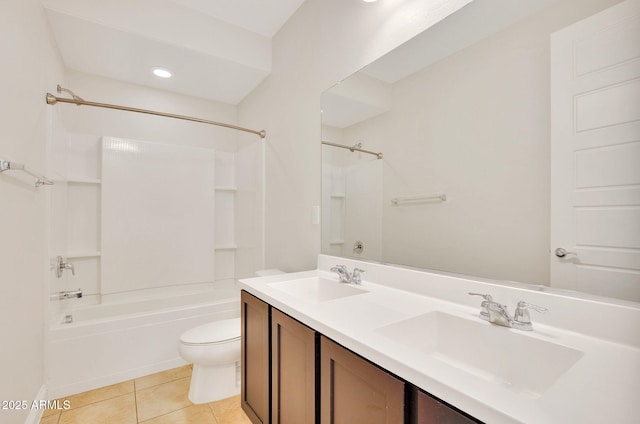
[(214, 350)]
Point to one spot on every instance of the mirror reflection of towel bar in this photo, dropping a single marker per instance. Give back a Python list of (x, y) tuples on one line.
[(415, 199)]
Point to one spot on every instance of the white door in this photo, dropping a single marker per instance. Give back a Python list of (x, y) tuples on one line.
[(595, 154)]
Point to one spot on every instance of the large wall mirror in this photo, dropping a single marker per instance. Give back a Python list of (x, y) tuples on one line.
[(452, 159)]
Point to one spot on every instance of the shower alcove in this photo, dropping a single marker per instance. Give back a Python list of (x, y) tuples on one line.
[(151, 260)]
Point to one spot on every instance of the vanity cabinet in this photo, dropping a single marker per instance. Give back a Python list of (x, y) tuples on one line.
[(352, 390), (293, 370), (428, 410), (255, 369), (278, 365), (292, 374)]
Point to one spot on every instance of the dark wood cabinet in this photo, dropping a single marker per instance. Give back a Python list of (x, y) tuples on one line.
[(355, 391), (293, 375), (293, 370), (255, 369), (428, 410)]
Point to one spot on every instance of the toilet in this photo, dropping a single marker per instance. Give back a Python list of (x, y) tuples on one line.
[(214, 350)]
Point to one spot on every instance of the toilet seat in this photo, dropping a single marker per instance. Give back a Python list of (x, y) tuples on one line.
[(213, 333)]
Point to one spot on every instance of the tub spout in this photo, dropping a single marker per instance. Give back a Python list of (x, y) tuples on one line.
[(67, 294)]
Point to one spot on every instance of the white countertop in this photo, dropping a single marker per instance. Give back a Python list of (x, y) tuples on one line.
[(602, 386)]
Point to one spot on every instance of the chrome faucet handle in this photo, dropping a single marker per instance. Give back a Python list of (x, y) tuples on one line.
[(356, 276), (70, 266), (484, 296), (61, 265), (521, 317), (342, 272), (484, 313)]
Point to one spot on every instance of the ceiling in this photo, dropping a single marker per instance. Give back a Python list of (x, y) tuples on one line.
[(216, 49)]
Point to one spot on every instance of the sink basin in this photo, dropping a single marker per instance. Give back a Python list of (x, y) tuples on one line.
[(317, 289), (500, 355)]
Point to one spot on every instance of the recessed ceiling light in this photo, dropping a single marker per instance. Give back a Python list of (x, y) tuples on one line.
[(162, 73), (369, 1)]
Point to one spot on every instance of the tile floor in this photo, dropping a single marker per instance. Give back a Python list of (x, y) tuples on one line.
[(154, 399)]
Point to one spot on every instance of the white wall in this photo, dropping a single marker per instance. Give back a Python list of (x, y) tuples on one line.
[(30, 67), (323, 42), (115, 123)]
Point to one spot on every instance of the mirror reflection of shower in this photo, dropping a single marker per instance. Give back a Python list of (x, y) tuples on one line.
[(351, 198), (355, 148)]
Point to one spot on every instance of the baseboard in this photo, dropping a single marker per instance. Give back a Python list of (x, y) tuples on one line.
[(35, 413)]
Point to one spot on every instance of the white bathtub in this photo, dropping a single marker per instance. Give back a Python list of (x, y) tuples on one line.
[(117, 341)]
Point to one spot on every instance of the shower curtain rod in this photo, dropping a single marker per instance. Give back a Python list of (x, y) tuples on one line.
[(52, 100), (354, 149)]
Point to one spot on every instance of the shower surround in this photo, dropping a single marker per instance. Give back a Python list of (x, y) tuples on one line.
[(158, 234)]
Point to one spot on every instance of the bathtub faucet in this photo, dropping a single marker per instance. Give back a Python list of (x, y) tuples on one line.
[(67, 294)]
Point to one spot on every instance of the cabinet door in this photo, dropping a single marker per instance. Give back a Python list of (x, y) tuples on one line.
[(255, 358), (292, 370), (356, 391), (432, 411)]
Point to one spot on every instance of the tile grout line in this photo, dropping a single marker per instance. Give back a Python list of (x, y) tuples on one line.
[(135, 399), (167, 413), (213, 412), (99, 400), (135, 394), (164, 382), (159, 385)]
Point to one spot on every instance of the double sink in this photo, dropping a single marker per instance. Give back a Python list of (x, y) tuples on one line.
[(521, 362)]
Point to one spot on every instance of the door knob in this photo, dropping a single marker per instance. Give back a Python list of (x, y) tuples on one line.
[(561, 253)]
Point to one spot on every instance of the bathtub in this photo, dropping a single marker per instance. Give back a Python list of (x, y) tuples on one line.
[(115, 341)]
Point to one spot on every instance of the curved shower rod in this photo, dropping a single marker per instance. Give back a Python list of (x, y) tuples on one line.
[(355, 148), (79, 101)]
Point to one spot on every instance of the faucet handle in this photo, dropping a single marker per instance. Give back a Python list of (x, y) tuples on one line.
[(521, 317), (342, 272), (356, 277), (70, 266), (484, 312), (484, 296), (61, 265), (524, 305)]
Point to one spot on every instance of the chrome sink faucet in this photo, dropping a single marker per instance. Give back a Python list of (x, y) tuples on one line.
[(497, 313), (346, 277)]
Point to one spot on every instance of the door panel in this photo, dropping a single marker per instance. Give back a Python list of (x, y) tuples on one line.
[(431, 411), (595, 153), (293, 370), (356, 391), (255, 358)]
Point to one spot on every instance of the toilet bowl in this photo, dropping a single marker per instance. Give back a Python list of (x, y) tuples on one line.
[(214, 350)]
